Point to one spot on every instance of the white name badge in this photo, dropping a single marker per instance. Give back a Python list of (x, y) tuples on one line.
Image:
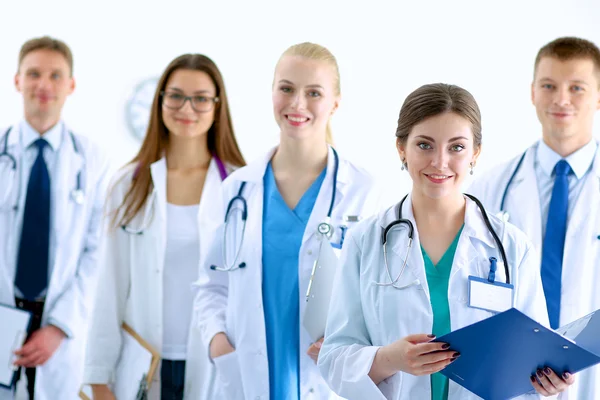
[(490, 296)]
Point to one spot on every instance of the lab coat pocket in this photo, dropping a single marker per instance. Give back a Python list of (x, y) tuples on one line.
[(229, 384)]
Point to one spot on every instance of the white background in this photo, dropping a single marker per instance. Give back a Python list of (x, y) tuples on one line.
[(385, 50)]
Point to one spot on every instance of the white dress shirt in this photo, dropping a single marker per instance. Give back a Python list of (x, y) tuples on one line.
[(545, 160)]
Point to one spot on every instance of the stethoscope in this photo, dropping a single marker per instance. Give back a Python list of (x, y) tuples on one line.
[(503, 213), (77, 194), (399, 221), (149, 207), (324, 229)]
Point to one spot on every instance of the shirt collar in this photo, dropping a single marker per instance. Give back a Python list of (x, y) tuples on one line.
[(53, 136), (580, 161)]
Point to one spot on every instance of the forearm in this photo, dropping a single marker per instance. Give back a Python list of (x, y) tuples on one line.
[(381, 368)]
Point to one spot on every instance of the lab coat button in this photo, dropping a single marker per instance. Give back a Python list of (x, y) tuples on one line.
[(311, 390), (309, 252), (257, 398)]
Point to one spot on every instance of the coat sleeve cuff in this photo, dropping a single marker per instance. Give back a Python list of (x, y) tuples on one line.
[(97, 376), (62, 327), (208, 331)]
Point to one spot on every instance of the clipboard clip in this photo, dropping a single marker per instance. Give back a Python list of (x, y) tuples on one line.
[(19, 340), (312, 273), (493, 267), (142, 393)]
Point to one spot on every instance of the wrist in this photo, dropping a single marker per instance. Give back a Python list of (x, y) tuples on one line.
[(57, 330)]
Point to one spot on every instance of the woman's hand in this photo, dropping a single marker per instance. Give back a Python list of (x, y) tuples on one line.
[(102, 392), (220, 346), (314, 349), (414, 354), (547, 383)]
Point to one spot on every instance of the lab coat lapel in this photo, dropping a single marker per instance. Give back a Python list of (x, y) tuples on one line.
[(323, 201), (158, 171), (589, 197), (523, 200), (474, 231), (68, 165), (9, 248), (415, 265), (210, 214)]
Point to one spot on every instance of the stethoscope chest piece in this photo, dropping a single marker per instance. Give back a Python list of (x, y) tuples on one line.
[(325, 229)]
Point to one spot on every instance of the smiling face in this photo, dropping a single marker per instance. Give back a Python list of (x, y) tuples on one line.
[(304, 96), (566, 96), (439, 152), (44, 79), (187, 121)]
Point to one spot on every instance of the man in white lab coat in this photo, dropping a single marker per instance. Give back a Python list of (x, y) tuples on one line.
[(49, 226), (552, 191)]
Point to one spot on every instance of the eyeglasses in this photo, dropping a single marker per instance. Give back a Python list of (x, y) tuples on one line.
[(175, 101)]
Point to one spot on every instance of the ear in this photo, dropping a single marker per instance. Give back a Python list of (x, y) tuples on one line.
[(533, 92), (476, 155), (72, 85), (401, 149), (336, 105), (17, 82)]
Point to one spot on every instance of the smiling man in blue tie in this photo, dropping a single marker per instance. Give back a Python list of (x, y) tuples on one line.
[(552, 190), (55, 183)]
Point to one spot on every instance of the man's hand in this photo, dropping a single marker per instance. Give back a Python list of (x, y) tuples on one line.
[(39, 347)]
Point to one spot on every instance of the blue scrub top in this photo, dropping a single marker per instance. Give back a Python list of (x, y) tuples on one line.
[(282, 234)]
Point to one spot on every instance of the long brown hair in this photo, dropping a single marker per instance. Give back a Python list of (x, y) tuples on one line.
[(220, 138)]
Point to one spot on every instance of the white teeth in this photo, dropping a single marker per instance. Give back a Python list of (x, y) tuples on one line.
[(297, 119), (439, 176)]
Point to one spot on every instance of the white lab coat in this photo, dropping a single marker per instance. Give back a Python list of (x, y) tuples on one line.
[(581, 259), (231, 302), (130, 288), (75, 236), (365, 316)]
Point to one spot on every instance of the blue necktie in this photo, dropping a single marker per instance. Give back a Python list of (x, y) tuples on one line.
[(32, 263), (554, 241)]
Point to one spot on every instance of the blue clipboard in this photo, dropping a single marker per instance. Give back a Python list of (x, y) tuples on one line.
[(15, 326), (499, 354)]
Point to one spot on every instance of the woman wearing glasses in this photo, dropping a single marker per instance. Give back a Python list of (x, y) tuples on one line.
[(392, 299), (153, 241), (252, 316)]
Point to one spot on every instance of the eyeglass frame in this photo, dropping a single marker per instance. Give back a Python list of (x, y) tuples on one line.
[(214, 101)]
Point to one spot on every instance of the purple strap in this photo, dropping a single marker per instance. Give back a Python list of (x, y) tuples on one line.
[(222, 170)]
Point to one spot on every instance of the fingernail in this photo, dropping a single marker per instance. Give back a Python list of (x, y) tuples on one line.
[(445, 346), (431, 336), (539, 373), (566, 375), (547, 371), (532, 379), (456, 355)]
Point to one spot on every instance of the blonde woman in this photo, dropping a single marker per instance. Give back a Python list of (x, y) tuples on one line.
[(251, 316)]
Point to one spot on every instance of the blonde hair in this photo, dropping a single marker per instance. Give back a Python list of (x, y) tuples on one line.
[(316, 52)]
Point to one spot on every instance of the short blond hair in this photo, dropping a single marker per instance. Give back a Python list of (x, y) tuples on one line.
[(47, 43)]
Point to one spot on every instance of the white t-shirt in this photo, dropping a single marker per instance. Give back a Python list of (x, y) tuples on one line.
[(181, 270)]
